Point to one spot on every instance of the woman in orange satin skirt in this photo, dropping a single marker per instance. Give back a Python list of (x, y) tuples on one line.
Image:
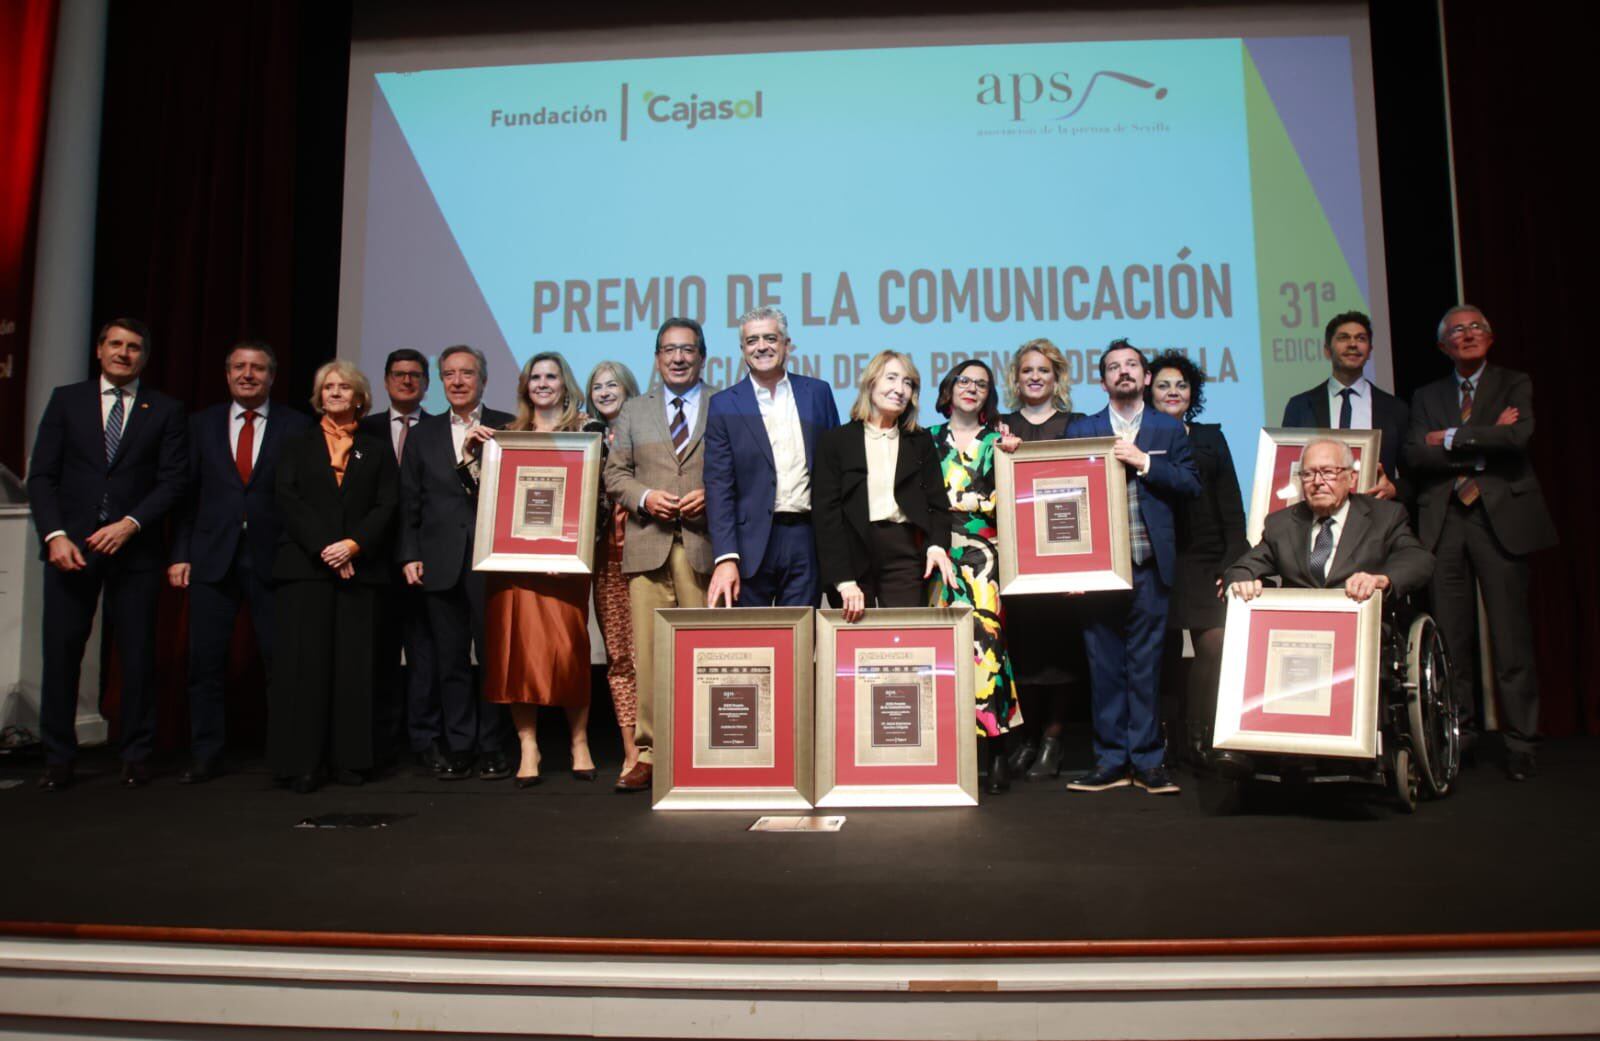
[(537, 625)]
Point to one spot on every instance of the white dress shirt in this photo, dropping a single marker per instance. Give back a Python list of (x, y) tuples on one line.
[(1128, 430), (1339, 516), (1470, 382), (781, 416), (1360, 404), (883, 456), (108, 401), (460, 428), (236, 427)]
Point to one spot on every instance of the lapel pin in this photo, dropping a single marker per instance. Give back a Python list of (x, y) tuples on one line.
[(358, 455)]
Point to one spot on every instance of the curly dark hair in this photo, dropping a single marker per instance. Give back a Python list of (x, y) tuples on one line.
[(1171, 359)]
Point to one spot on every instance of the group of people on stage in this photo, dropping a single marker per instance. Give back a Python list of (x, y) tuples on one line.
[(349, 538)]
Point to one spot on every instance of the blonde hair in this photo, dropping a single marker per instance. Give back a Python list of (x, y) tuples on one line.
[(1058, 363), (358, 383), (571, 397), (865, 411), (624, 376)]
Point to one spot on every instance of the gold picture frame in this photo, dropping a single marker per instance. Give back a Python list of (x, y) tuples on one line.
[(1035, 561), (579, 558), (1272, 485)]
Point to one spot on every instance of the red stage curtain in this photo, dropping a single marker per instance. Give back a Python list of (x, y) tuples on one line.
[(27, 44)]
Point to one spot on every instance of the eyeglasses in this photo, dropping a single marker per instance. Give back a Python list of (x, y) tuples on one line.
[(1461, 330), (1325, 474), (678, 348), (967, 381)]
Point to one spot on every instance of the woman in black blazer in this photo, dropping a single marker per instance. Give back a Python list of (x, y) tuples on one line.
[(1210, 535), (878, 549), (337, 488)]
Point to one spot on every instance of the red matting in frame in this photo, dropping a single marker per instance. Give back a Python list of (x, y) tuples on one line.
[(1284, 479), (949, 729), (1024, 473), (1339, 720), (781, 774), (570, 459)]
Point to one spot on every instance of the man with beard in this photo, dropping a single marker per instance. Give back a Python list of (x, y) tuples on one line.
[(1123, 631)]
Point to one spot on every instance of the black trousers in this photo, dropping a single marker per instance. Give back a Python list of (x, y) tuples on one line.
[(320, 694), (70, 598), (455, 616), (213, 606), (1467, 556), (897, 565), (406, 698)]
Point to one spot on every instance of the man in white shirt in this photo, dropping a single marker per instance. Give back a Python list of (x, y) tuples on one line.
[(226, 536)]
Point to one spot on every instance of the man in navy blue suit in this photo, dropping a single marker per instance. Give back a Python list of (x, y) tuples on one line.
[(758, 497), (225, 538), (109, 462), (1350, 401), (1123, 633)]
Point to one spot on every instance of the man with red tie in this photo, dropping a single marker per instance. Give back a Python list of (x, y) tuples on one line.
[(225, 538), (108, 464), (1482, 514)]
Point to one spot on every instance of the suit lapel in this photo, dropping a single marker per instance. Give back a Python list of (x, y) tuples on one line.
[(1320, 413), (269, 443), (745, 396), (130, 424), (1300, 552), (696, 430), (1486, 399), (1356, 525)]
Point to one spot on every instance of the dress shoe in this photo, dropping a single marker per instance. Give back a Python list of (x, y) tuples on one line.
[(200, 771), (1235, 766), (1048, 765), (999, 781), (1155, 780), (305, 784), (635, 780), (457, 767), (529, 782), (1100, 779), (494, 767), (1521, 766), (433, 759), (349, 778), (57, 777), (1022, 758), (583, 775), (135, 774)]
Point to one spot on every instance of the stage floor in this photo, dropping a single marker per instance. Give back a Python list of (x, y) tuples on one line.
[(569, 859)]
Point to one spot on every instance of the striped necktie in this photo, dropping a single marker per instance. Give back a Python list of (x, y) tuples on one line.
[(114, 425), (1466, 487), (1322, 550), (680, 427)]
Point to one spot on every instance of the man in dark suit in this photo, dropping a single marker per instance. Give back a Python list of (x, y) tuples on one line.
[(437, 517), (1124, 632), (406, 698), (1350, 401), (1482, 514), (225, 538), (1333, 539), (758, 499), (110, 460)]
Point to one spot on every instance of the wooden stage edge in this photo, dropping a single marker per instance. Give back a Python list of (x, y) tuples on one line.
[(1265, 946)]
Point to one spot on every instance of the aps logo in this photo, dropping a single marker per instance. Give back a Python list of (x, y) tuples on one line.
[(1020, 91)]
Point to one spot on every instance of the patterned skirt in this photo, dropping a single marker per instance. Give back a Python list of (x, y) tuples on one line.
[(977, 566), (616, 626)]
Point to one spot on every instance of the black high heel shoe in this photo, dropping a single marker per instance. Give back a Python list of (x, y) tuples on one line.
[(1023, 757), (529, 782), (999, 781), (1048, 765), (583, 775)]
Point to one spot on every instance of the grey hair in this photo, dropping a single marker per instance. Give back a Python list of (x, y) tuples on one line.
[(461, 348), (764, 314), (1444, 323), (1345, 454)]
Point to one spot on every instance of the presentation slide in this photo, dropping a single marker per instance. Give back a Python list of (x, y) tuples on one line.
[(1212, 193)]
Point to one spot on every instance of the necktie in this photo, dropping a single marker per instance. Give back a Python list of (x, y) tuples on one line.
[(1322, 550), (114, 425), (680, 426), (400, 442), (1346, 412), (244, 452), (1466, 487)]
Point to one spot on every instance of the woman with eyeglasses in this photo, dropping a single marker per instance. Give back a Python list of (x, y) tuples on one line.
[(878, 501), (1210, 537), (965, 445)]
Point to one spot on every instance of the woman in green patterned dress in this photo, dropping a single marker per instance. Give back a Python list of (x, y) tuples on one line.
[(966, 445)]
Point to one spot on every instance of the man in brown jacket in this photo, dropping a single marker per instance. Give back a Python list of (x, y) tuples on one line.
[(655, 469)]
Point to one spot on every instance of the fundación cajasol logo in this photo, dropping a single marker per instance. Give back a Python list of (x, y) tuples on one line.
[(1051, 95), (692, 110)]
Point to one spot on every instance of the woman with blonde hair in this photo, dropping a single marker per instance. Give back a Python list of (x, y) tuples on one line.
[(1046, 641), (537, 625), (336, 492), (610, 386), (878, 501)]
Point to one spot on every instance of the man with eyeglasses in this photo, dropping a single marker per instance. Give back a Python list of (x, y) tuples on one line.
[(406, 697), (656, 469), (1482, 514), (1350, 401), (758, 496)]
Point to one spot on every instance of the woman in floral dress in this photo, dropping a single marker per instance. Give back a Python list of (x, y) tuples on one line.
[(966, 445)]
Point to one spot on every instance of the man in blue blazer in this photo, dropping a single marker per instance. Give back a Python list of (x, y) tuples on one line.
[(1350, 401), (225, 538), (109, 462), (761, 437), (1123, 633)]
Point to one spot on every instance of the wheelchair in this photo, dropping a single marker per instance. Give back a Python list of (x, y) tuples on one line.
[(1419, 736)]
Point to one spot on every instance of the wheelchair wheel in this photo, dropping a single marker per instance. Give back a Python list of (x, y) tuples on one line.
[(1407, 782), (1435, 732)]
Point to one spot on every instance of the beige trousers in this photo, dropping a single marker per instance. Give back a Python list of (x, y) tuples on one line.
[(673, 584)]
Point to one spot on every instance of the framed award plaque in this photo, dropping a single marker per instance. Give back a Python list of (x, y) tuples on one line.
[(895, 722), (1062, 517), (1300, 674), (537, 502), (736, 732), (1277, 481)]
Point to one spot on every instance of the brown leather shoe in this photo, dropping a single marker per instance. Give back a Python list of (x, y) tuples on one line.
[(635, 780)]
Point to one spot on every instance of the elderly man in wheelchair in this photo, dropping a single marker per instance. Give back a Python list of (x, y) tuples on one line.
[(1334, 539)]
